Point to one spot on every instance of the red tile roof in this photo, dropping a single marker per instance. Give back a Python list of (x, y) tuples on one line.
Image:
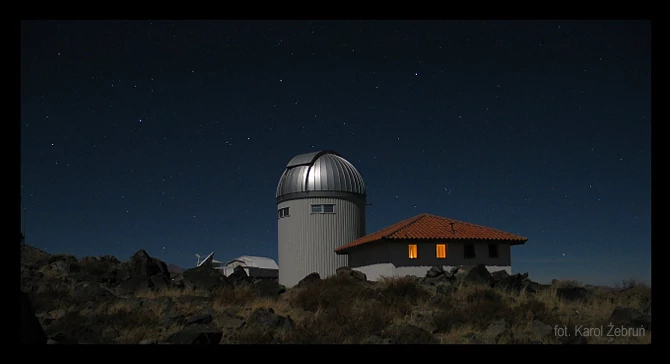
[(427, 226)]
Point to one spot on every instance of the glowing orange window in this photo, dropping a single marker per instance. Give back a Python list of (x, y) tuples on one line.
[(413, 251), (441, 250)]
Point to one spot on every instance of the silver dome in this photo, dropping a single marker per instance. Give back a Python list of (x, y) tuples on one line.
[(318, 173)]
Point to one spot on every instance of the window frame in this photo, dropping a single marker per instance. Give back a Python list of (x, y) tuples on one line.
[(320, 208), (465, 251), (495, 248), (413, 248), (281, 214), (437, 251)]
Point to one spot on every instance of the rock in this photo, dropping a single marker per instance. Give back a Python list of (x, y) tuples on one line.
[(541, 329), (510, 283), (268, 319), (351, 273), (239, 276), (177, 280), (424, 319), (409, 334), (478, 275), (497, 332), (159, 304), (159, 281), (93, 291), (60, 339), (149, 342), (629, 317), (63, 264), (310, 278), (499, 275), (268, 288), (232, 323), (143, 265), (204, 277), (133, 285), (198, 320), (196, 335), (31, 330), (435, 271)]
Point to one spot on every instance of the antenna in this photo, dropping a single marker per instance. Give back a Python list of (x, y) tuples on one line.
[(452, 226), (197, 256)]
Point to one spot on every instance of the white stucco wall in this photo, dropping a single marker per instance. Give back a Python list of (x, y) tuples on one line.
[(253, 272), (375, 272), (392, 259)]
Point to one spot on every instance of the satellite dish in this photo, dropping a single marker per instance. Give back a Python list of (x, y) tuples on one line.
[(207, 259)]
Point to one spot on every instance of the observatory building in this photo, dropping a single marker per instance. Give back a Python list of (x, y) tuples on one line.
[(320, 207)]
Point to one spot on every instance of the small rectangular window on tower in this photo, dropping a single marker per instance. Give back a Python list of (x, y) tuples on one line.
[(282, 212), (329, 208), (413, 251), (441, 251), (317, 209)]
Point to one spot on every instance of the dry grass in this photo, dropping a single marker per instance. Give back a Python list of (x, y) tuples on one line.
[(337, 310)]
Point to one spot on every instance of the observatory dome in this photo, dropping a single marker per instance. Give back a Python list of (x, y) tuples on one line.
[(316, 173)]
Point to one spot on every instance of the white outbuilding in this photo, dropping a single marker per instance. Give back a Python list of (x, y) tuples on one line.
[(256, 267)]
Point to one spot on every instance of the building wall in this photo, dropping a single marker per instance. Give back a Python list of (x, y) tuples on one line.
[(307, 240), (378, 259), (375, 272), (253, 272)]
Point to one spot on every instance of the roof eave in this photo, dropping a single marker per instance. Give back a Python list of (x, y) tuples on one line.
[(345, 249)]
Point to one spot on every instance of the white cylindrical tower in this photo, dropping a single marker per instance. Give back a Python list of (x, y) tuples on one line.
[(320, 207)]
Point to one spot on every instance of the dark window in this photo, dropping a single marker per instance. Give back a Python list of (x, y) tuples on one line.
[(282, 212), (469, 251), (323, 209), (493, 251)]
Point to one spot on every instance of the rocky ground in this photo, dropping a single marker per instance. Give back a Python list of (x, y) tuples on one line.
[(103, 300)]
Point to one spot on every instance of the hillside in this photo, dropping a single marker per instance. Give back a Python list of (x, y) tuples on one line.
[(104, 300)]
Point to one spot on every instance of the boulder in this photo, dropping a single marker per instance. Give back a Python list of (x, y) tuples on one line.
[(204, 277), (630, 317), (347, 272), (497, 332), (435, 271), (239, 276), (310, 278), (409, 334), (267, 319), (143, 265), (478, 275)]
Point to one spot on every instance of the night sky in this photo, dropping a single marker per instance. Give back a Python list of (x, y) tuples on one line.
[(171, 136)]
